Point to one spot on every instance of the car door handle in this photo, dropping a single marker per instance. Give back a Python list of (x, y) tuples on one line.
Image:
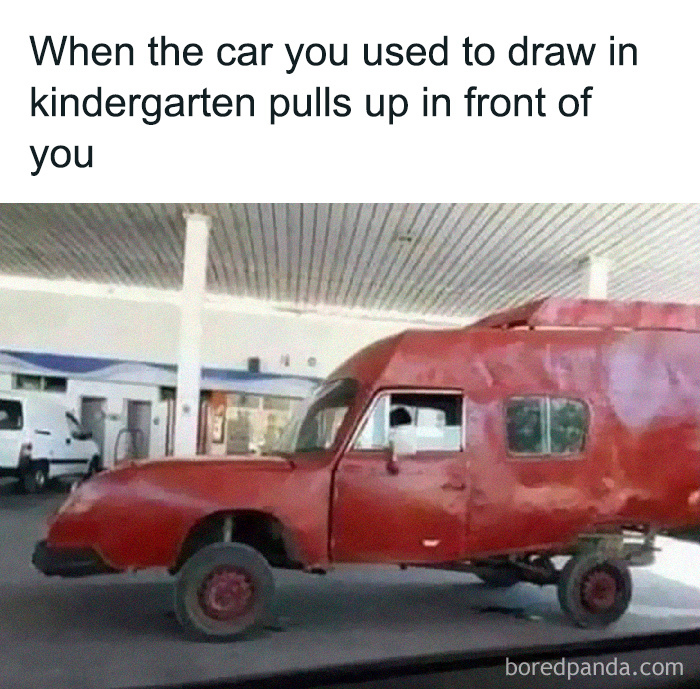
[(453, 486)]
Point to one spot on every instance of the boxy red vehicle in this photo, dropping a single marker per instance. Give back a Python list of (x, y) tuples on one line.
[(562, 427)]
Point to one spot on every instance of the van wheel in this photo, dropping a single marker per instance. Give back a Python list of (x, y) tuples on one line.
[(93, 467), (224, 590), (594, 591), (34, 478)]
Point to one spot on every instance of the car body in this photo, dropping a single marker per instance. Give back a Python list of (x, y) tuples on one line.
[(40, 439), (561, 427)]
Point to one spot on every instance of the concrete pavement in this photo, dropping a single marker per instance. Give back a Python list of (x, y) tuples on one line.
[(119, 630)]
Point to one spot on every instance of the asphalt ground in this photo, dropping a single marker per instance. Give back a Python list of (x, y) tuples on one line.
[(120, 631)]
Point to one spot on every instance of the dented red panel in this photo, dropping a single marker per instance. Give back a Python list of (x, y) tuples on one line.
[(143, 513), (414, 515), (636, 367), (641, 461)]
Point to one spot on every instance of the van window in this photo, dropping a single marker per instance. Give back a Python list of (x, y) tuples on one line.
[(436, 416), (10, 415), (545, 425)]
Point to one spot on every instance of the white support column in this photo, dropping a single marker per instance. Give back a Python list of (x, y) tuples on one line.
[(594, 277), (189, 363)]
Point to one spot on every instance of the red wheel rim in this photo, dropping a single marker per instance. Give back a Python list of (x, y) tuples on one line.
[(599, 590), (227, 593)]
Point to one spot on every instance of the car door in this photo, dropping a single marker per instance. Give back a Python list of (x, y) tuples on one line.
[(11, 424), (393, 507), (77, 451)]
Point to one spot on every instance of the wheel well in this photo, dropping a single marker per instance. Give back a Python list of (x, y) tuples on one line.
[(258, 530)]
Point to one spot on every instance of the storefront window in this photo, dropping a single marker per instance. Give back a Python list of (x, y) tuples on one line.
[(316, 423)]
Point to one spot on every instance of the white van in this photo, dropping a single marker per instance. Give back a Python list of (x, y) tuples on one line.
[(41, 440)]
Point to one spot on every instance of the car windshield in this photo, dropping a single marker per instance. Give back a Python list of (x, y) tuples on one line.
[(316, 421)]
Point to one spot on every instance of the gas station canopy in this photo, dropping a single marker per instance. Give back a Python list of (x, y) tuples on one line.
[(447, 260)]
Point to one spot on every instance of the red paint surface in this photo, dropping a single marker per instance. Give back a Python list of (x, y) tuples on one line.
[(640, 464)]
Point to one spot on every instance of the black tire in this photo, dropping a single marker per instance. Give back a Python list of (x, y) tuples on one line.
[(594, 591), (498, 577), (223, 591), (93, 467), (35, 478)]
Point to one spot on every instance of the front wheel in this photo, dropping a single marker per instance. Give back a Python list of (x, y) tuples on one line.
[(34, 478), (223, 591), (594, 591)]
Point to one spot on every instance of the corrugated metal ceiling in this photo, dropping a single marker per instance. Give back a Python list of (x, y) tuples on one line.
[(434, 259)]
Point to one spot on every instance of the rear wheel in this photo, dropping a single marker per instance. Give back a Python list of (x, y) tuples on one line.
[(594, 591), (223, 591), (35, 478)]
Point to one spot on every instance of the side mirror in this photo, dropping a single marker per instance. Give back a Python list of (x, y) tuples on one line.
[(403, 444)]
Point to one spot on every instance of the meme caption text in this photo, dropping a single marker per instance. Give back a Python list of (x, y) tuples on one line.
[(328, 99)]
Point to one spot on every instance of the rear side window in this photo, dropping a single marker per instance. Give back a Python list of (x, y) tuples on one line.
[(545, 425), (568, 421), (526, 425), (10, 415)]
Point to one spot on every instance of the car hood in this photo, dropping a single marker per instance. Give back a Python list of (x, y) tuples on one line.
[(200, 484), (241, 481), (158, 502), (235, 462)]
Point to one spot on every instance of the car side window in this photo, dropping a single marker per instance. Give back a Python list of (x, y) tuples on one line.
[(539, 425), (375, 430), (437, 418)]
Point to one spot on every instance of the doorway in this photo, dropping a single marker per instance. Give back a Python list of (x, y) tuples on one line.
[(92, 419), (138, 421)]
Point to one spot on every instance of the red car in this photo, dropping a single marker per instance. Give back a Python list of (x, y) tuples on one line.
[(557, 428)]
